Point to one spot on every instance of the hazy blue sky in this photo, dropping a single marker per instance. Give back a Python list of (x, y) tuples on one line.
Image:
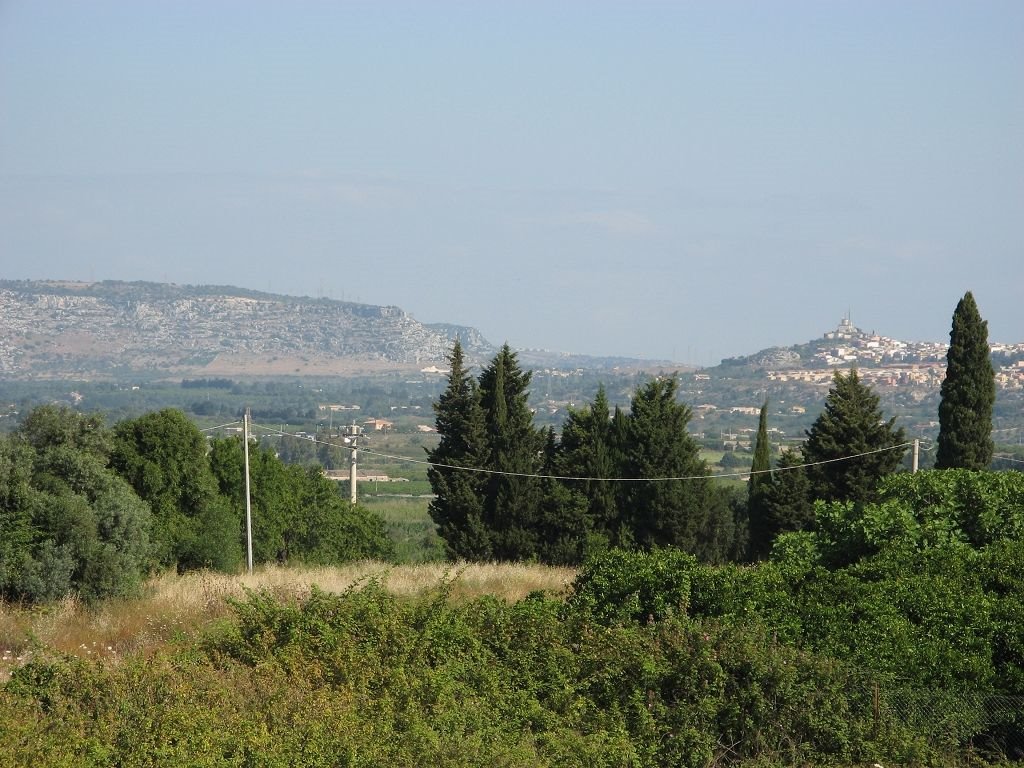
[(684, 180)]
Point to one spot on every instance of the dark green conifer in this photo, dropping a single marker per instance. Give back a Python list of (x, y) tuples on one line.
[(566, 528), (458, 506), (513, 496), (968, 393), (665, 512), (588, 450), (852, 425), (784, 503), (760, 476), (759, 468)]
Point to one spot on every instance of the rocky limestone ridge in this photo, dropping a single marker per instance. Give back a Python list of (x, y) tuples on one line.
[(68, 329)]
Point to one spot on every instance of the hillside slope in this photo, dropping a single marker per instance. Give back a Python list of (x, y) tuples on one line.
[(109, 329)]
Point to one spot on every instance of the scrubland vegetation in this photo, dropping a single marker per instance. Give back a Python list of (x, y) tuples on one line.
[(840, 612), (909, 656)]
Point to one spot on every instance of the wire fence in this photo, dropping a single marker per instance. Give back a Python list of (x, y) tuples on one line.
[(869, 720), (990, 725)]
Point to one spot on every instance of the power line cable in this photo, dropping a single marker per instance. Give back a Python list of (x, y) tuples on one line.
[(535, 476), (221, 426), (1002, 457)]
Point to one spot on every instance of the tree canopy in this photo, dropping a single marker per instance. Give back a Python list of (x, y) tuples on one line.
[(613, 479), (658, 445), (69, 523), (91, 511), (163, 455)]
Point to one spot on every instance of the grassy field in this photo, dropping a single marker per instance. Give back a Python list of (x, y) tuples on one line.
[(410, 527), (402, 504), (176, 606)]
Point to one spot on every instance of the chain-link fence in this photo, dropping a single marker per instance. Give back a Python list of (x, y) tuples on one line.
[(990, 725)]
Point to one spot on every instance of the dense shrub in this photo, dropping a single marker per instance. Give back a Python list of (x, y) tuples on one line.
[(365, 678), (622, 585)]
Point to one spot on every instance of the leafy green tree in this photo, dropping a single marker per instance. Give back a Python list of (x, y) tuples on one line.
[(328, 529), (17, 532), (852, 425), (306, 453), (274, 494), (70, 524), (50, 426), (458, 506), (163, 455), (513, 495), (662, 512), (968, 393), (958, 510), (298, 515)]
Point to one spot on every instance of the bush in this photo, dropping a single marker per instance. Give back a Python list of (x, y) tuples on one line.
[(626, 586), (365, 678)]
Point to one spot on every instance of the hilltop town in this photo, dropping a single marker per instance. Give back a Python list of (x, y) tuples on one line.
[(879, 359)]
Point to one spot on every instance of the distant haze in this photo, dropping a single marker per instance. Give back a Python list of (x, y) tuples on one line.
[(648, 179)]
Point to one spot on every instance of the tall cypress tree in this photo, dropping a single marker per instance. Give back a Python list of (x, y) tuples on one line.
[(851, 425), (458, 506), (566, 527), (759, 473), (760, 477), (968, 393)]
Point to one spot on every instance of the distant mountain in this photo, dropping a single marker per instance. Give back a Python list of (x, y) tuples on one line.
[(114, 329)]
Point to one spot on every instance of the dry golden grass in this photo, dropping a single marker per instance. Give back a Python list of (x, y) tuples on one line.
[(174, 605)]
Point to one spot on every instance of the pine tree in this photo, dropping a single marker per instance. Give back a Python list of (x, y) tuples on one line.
[(458, 506), (513, 498), (666, 512), (968, 393), (851, 425), (784, 504), (588, 449), (566, 527)]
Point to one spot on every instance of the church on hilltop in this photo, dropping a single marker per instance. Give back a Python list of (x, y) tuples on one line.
[(845, 330)]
